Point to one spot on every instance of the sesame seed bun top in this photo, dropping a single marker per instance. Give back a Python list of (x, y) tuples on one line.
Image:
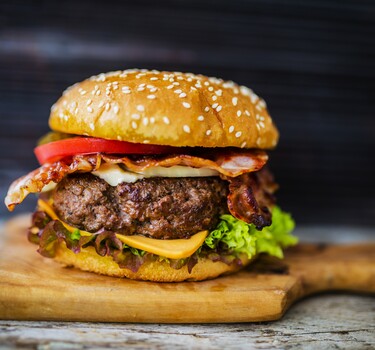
[(165, 108)]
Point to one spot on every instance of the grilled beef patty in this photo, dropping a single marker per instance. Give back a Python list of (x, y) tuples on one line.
[(163, 208)]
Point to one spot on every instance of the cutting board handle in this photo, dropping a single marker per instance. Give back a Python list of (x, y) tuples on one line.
[(322, 267)]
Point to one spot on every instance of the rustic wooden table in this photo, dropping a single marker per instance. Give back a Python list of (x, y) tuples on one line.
[(329, 321), (320, 322)]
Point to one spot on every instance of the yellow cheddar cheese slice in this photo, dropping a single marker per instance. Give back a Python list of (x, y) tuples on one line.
[(171, 248)]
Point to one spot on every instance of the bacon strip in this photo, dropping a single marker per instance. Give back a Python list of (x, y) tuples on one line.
[(251, 197), (229, 164)]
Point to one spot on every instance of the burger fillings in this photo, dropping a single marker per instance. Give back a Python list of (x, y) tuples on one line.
[(157, 176)]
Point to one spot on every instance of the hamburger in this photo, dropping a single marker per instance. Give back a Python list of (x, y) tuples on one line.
[(157, 176)]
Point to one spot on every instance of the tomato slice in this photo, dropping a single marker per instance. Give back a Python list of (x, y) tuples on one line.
[(54, 151)]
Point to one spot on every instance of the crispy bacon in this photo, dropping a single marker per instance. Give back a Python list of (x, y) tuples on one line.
[(251, 196), (229, 164)]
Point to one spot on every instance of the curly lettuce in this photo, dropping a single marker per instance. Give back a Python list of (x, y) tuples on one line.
[(241, 237)]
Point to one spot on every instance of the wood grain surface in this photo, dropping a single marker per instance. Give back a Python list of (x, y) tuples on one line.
[(34, 288)]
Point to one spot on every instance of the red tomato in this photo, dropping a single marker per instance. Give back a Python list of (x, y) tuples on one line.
[(54, 151)]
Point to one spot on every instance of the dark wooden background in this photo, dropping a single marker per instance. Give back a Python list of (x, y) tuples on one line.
[(312, 61)]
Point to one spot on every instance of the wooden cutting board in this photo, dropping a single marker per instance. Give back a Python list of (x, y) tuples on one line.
[(35, 288)]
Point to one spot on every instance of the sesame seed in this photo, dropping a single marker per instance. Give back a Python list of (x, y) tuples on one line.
[(182, 95), (253, 97), (206, 109), (176, 83), (206, 83), (154, 78), (215, 105), (152, 120), (151, 97), (186, 128), (116, 109), (238, 134), (119, 138), (186, 105), (135, 116), (166, 120), (83, 92), (214, 97), (101, 104), (247, 113), (261, 124), (107, 106), (73, 104), (178, 91), (92, 126), (115, 87), (76, 111), (154, 89), (88, 103), (101, 77), (134, 125), (140, 108), (98, 92), (89, 109), (200, 118), (234, 101), (208, 132), (243, 144), (197, 85), (210, 88), (219, 108), (231, 129), (258, 108), (219, 92), (189, 80), (239, 113), (258, 127), (170, 87), (146, 141), (145, 121)]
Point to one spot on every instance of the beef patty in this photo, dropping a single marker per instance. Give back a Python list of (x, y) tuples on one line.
[(164, 208)]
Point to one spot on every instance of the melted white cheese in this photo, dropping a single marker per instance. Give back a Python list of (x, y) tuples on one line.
[(49, 187), (114, 175)]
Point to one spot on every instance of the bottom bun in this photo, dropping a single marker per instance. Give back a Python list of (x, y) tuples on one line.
[(89, 260)]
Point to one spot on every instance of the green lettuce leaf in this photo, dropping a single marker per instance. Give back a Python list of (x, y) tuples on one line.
[(240, 237)]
